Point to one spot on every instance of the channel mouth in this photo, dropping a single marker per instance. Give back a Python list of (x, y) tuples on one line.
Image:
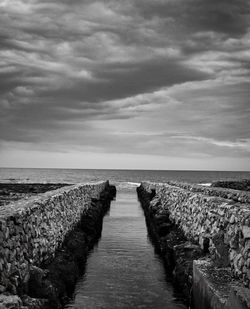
[(123, 270)]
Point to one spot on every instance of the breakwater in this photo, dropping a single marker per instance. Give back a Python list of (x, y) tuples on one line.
[(32, 233), (10, 192), (208, 225), (233, 184)]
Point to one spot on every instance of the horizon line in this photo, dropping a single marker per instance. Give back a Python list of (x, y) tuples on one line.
[(127, 169)]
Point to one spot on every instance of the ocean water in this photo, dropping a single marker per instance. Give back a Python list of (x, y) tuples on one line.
[(117, 177)]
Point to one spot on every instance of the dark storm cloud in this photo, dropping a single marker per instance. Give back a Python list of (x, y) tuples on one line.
[(87, 68), (121, 80), (226, 16), (8, 81)]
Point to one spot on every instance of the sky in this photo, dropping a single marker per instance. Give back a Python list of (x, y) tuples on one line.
[(149, 84)]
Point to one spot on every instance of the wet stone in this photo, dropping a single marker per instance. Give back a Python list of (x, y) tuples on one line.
[(10, 302)]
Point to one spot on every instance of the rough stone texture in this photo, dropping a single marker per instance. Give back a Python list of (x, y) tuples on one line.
[(227, 193), (169, 241), (10, 302), (237, 185), (10, 192), (32, 230), (219, 225), (34, 303)]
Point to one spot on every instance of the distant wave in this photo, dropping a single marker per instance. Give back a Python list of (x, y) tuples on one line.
[(126, 185), (205, 184), (134, 183)]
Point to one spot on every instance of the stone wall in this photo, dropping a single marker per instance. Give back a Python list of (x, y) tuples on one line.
[(228, 193), (236, 185), (11, 192), (223, 225), (31, 230)]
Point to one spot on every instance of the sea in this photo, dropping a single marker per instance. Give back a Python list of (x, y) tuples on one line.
[(121, 178), (124, 270)]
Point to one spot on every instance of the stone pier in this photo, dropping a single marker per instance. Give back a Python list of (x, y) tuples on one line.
[(33, 230), (213, 251)]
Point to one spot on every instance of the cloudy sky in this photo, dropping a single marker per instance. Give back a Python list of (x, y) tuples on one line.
[(150, 84)]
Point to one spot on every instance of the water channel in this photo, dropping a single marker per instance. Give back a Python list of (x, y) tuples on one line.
[(123, 270)]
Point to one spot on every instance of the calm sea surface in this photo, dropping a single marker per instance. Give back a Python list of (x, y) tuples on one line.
[(115, 176), (123, 271)]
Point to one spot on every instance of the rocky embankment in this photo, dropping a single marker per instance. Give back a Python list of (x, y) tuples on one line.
[(177, 252), (45, 241), (240, 196), (243, 185), (10, 192), (189, 224)]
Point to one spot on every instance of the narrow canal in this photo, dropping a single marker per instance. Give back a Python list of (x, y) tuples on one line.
[(123, 270)]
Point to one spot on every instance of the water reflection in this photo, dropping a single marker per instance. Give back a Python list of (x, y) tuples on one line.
[(123, 270)]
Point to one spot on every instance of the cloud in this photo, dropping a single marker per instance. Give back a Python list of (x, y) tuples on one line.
[(223, 16), (110, 75), (117, 81)]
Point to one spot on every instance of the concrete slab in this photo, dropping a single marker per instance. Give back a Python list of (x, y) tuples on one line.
[(214, 288)]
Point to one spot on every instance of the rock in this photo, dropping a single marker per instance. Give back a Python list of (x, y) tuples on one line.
[(246, 231), (187, 251), (2, 288), (234, 241), (35, 303), (10, 302), (221, 258), (247, 245), (232, 219), (38, 285), (164, 229), (236, 185)]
